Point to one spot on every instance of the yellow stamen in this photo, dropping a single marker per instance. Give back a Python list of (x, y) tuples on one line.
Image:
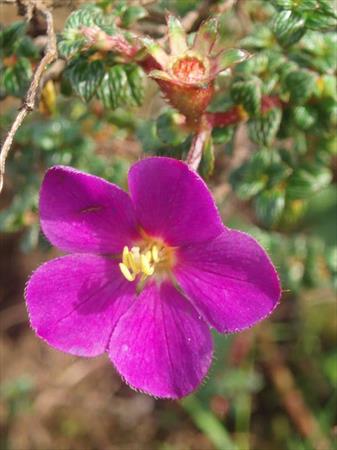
[(143, 262), (155, 254), (125, 254), (145, 265), (125, 271)]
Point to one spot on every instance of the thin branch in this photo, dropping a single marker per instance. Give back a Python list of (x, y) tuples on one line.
[(28, 103), (198, 144)]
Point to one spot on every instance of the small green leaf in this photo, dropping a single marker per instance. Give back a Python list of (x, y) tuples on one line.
[(9, 36), (27, 48), (15, 79), (85, 16), (121, 86), (306, 181), (132, 14), (288, 28), (263, 129), (248, 94), (85, 76), (283, 4), (251, 177), (304, 117), (301, 85), (222, 135), (136, 81), (169, 128), (269, 206), (67, 48)]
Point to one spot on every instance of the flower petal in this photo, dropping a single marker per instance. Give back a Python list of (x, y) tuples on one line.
[(75, 301), (173, 202), (83, 213), (161, 346), (230, 280)]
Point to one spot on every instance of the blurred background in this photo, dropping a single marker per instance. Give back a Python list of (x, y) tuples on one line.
[(270, 388)]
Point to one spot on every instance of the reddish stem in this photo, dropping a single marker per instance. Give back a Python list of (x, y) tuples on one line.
[(237, 114)]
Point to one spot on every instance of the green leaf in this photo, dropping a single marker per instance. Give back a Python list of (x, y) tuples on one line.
[(261, 37), (85, 76), (306, 181), (248, 94), (87, 16), (263, 130), (68, 47), (132, 14), (288, 28), (208, 159), (222, 135), (136, 81), (304, 117), (269, 206), (15, 79), (301, 85), (208, 423), (72, 40), (283, 4), (169, 128), (9, 36), (251, 177), (120, 86), (27, 48), (147, 134)]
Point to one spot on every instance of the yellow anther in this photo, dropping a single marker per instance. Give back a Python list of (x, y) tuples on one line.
[(145, 265), (149, 255), (132, 262), (135, 262), (155, 254), (125, 254), (125, 271)]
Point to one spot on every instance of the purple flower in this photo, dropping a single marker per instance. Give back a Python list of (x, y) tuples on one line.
[(149, 273)]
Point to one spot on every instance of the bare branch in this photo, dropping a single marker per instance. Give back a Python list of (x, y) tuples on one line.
[(198, 143), (28, 103)]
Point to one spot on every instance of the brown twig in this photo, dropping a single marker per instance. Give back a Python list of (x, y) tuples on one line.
[(28, 103)]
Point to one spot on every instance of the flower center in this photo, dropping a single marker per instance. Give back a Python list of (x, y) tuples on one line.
[(154, 257), (189, 69)]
